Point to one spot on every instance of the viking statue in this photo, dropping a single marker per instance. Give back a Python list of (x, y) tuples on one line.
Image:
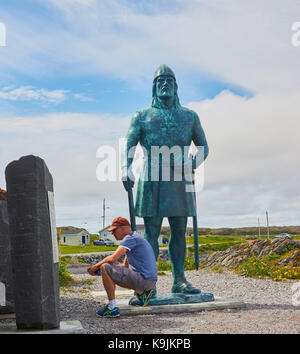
[(165, 131)]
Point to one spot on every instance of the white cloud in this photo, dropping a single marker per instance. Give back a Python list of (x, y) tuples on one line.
[(253, 165), (68, 143), (29, 93), (254, 158), (245, 43)]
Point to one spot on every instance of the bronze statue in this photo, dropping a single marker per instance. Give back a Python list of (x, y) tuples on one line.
[(166, 124)]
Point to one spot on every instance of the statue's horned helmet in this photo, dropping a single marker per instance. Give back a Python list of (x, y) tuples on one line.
[(164, 70)]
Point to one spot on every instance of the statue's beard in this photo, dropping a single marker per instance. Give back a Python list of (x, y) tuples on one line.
[(167, 95)]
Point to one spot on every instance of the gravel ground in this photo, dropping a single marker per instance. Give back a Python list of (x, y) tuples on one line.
[(269, 308)]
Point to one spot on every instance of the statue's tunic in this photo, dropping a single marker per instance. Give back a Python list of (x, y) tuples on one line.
[(156, 127)]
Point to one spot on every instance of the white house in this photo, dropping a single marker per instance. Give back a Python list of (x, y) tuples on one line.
[(139, 228), (75, 238), (104, 233)]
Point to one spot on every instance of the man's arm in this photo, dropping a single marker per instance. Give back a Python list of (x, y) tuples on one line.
[(119, 252)]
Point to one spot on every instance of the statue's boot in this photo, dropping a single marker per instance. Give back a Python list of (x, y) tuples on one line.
[(184, 287), (154, 291)]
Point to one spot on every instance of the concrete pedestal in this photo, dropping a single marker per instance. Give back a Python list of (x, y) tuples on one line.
[(176, 298), (218, 304), (65, 327), (123, 297)]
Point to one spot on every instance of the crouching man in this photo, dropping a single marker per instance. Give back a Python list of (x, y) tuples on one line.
[(138, 271)]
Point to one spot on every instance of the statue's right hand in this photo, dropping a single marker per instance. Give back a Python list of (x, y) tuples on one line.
[(128, 184)]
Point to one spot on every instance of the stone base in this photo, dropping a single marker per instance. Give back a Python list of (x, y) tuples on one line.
[(176, 298), (218, 304), (66, 327), (7, 316)]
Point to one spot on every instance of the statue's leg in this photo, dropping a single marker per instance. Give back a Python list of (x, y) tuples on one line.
[(177, 250), (152, 231), (177, 246)]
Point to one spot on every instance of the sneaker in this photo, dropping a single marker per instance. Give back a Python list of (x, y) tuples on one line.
[(108, 312), (144, 298)]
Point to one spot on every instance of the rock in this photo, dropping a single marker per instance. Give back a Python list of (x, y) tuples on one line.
[(293, 261), (5, 261), (280, 249), (34, 251), (238, 253)]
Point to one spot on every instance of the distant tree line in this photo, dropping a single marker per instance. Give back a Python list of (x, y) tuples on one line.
[(239, 231)]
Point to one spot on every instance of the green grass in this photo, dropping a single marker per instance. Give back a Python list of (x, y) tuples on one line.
[(189, 264), (212, 247), (268, 267), (215, 239), (163, 265), (66, 249)]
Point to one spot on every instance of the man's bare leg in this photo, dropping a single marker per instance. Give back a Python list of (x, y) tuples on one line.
[(108, 283)]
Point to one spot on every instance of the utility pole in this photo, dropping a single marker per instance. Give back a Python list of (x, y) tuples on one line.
[(258, 229), (103, 213), (104, 207), (268, 224)]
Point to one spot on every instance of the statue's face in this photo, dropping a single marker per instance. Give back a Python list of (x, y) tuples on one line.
[(165, 86)]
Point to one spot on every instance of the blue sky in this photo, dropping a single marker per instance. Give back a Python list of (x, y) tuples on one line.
[(85, 91), (73, 72)]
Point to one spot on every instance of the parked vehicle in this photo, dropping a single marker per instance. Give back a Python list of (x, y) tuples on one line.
[(165, 240), (108, 242), (99, 242), (283, 235)]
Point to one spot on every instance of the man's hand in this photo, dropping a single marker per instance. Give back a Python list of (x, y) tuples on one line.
[(93, 269), (125, 263), (119, 252)]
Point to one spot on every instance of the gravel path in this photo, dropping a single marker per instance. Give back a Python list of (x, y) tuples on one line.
[(269, 308)]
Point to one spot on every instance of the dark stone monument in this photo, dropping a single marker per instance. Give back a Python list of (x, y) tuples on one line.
[(6, 285), (34, 253)]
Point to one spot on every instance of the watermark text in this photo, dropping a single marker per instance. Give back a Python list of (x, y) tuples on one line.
[(296, 35), (155, 164)]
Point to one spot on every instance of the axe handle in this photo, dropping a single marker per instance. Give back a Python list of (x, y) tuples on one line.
[(195, 227), (131, 209)]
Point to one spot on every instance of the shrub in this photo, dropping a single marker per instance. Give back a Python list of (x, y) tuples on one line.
[(268, 267), (65, 277)]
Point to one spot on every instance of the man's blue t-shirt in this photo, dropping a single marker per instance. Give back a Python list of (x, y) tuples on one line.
[(140, 255)]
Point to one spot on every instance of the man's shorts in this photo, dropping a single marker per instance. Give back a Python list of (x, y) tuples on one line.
[(129, 278)]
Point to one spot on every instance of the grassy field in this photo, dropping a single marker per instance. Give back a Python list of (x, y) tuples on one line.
[(253, 267), (65, 249), (224, 241), (215, 239)]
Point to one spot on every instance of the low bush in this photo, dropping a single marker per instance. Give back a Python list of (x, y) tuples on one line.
[(65, 278), (267, 267)]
